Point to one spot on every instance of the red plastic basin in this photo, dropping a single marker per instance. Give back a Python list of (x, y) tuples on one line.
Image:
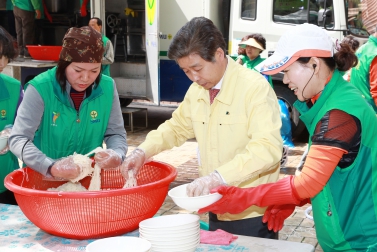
[(44, 52)]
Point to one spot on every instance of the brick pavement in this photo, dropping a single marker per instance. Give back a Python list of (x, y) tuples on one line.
[(296, 228)]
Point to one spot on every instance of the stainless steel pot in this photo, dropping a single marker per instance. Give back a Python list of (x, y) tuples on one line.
[(56, 6)]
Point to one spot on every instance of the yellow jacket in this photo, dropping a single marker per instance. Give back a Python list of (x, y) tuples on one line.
[(238, 135)]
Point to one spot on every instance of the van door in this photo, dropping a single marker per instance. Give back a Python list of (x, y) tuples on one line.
[(152, 50)]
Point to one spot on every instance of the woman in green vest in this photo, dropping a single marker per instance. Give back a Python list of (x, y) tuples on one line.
[(339, 175), (250, 48), (70, 108), (11, 94)]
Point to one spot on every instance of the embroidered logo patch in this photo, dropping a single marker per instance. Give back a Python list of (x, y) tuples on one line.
[(55, 116), (3, 113), (94, 115)]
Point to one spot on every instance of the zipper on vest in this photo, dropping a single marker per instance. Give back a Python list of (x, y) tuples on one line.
[(329, 212), (77, 117)]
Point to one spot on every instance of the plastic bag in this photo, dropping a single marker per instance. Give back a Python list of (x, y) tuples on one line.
[(286, 129)]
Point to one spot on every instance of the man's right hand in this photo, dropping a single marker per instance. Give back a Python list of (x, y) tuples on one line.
[(65, 168), (134, 162)]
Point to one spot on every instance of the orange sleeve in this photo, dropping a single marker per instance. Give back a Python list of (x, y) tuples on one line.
[(373, 79), (318, 168)]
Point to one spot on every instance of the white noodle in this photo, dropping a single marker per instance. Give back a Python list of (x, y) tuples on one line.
[(85, 164), (131, 181), (95, 183), (69, 187)]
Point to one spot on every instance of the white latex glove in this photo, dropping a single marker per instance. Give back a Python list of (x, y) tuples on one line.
[(203, 185), (65, 168), (5, 133), (133, 162), (108, 159)]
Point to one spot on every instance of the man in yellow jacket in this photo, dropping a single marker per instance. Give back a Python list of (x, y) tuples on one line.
[(238, 133)]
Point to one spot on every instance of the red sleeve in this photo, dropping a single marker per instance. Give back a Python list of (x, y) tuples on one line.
[(318, 168), (373, 79)]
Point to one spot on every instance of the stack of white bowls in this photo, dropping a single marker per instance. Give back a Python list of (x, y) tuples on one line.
[(168, 233)]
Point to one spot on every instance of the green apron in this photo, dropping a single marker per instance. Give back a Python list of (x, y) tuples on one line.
[(9, 97), (360, 73), (345, 211), (63, 130)]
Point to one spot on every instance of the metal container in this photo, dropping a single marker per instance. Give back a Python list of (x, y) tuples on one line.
[(56, 6)]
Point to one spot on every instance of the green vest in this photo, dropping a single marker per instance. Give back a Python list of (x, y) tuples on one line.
[(9, 5), (360, 73), (28, 5), (9, 96), (63, 130), (105, 68), (251, 64), (345, 211)]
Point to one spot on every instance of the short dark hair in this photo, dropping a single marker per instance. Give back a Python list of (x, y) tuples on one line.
[(198, 36), (62, 78), (8, 45), (99, 21), (258, 37)]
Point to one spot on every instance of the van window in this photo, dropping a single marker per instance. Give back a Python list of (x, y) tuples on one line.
[(361, 17), (249, 9), (297, 11)]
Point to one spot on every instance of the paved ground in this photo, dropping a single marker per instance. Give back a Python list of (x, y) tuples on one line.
[(296, 228)]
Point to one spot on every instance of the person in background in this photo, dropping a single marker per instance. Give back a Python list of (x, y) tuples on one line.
[(25, 12), (84, 10), (339, 172), (232, 112), (10, 19), (108, 57), (11, 94), (70, 108), (250, 48), (39, 24), (364, 75)]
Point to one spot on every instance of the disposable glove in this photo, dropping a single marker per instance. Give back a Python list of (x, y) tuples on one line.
[(133, 162), (5, 133), (107, 159), (65, 168), (203, 185), (235, 200), (275, 215)]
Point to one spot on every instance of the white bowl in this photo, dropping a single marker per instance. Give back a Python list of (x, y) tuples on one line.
[(169, 221), (166, 241), (3, 142), (165, 236), (119, 244), (171, 230), (180, 198)]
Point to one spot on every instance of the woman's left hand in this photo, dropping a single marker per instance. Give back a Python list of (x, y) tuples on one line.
[(108, 159)]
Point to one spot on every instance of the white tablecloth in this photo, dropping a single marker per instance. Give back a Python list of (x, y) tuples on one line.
[(18, 234)]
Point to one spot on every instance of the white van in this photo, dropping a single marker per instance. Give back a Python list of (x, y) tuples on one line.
[(142, 30), (160, 79)]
